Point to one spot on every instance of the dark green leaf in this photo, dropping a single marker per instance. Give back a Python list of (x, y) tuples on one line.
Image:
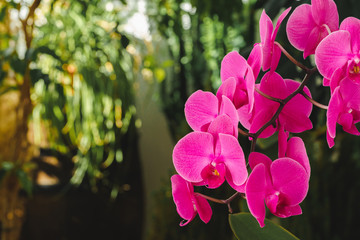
[(3, 13), (124, 41), (245, 227), (18, 65)]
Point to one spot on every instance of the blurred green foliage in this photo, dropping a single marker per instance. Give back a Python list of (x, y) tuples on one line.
[(89, 98), (87, 90), (82, 79)]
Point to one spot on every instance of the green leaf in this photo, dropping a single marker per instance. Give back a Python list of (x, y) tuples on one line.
[(245, 227)]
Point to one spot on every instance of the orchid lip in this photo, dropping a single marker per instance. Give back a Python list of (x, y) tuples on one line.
[(353, 69)]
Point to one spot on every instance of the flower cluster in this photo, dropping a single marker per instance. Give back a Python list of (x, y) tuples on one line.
[(212, 154)]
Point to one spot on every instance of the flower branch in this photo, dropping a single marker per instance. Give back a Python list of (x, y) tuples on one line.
[(246, 134), (221, 201), (292, 59), (315, 103), (281, 101)]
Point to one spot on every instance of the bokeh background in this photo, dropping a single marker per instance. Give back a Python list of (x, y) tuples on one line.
[(92, 94)]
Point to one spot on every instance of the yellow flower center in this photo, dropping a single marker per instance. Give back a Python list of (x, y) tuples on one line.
[(356, 69), (216, 173)]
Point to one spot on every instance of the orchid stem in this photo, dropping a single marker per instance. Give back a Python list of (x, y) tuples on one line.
[(246, 134), (292, 59), (268, 96), (315, 103), (227, 201), (212, 199)]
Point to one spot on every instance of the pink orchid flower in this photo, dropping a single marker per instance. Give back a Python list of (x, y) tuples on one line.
[(267, 53), (282, 141), (341, 50), (208, 158), (202, 108), (344, 108), (309, 24), (188, 204), (282, 184), (294, 117), (238, 82)]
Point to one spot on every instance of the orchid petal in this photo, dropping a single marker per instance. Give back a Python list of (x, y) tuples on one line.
[(240, 188), (222, 124), (227, 88), (228, 108), (325, 12), (297, 151), (260, 119), (332, 52), (313, 40), (346, 121), (298, 102), (326, 82), (182, 192), (275, 58), (279, 21), (295, 114), (350, 92), (299, 26), (203, 208), (337, 77), (266, 30), (233, 158), (285, 211), (333, 112), (256, 158), (200, 109), (233, 65), (273, 85), (352, 25), (295, 122), (265, 27), (290, 178), (255, 193), (250, 87), (330, 140), (244, 116), (282, 140), (254, 59), (192, 154)]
